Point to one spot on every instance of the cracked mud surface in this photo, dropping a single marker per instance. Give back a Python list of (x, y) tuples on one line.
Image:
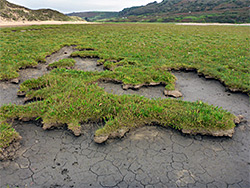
[(146, 157)]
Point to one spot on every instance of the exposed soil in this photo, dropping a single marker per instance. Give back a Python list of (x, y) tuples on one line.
[(212, 92), (147, 157), (87, 64), (8, 94), (63, 53), (9, 90)]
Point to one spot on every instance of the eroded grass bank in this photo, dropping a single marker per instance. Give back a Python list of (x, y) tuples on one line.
[(78, 100)]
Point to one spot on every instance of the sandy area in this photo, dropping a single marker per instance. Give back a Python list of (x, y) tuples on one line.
[(26, 23), (205, 24)]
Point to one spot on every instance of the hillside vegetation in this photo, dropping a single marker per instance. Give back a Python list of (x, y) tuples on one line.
[(94, 16), (12, 12), (231, 11)]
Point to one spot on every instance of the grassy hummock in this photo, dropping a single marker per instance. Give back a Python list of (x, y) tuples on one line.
[(79, 100)]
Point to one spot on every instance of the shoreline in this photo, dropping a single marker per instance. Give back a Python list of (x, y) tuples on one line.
[(213, 24), (4, 24), (27, 23)]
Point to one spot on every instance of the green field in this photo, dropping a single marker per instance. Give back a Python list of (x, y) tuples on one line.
[(133, 54)]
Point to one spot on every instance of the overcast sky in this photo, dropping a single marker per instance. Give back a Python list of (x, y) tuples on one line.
[(67, 6)]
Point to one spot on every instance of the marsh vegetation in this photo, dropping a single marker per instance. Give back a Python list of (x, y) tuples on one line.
[(133, 55)]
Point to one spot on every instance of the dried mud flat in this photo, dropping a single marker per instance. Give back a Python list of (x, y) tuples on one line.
[(147, 157)]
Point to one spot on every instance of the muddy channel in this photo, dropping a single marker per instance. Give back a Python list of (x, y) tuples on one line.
[(147, 157)]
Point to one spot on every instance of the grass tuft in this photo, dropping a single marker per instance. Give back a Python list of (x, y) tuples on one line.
[(7, 135), (64, 63)]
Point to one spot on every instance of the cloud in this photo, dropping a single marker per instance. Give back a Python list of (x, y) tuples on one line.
[(81, 5)]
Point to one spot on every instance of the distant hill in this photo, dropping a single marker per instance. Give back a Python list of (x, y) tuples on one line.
[(12, 12), (231, 11), (95, 15)]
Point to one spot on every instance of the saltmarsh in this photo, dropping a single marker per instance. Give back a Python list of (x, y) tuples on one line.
[(221, 52), (134, 54)]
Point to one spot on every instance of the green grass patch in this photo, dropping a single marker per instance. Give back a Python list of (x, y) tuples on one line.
[(7, 135), (63, 63), (125, 74), (78, 101)]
